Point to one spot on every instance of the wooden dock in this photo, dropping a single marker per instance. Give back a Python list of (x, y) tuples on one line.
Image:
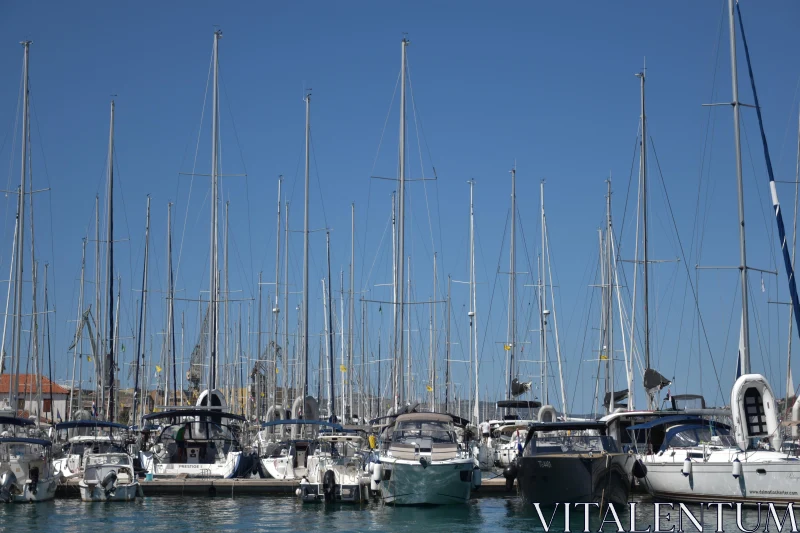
[(252, 487)]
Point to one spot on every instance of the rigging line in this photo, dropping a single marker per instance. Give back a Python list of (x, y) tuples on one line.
[(49, 203), (630, 181), (17, 114), (789, 122), (119, 181), (759, 334), (372, 172), (585, 332), (767, 226), (246, 183), (194, 164), (319, 184), (494, 285), (380, 245), (417, 124), (686, 266)]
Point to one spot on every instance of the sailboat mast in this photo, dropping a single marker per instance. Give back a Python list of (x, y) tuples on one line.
[(110, 270), (400, 317), (512, 288), (276, 308), (331, 356), (432, 357), (171, 291), (305, 249), (447, 352), (474, 304), (141, 340), (609, 299), (645, 224), (21, 233), (76, 351), (285, 399), (543, 304), (214, 267), (745, 356), (350, 338)]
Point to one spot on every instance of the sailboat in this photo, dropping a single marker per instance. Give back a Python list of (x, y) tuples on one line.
[(201, 440), (699, 463), (26, 459), (421, 461)]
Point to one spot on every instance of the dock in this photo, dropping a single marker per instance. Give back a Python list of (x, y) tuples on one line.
[(196, 486)]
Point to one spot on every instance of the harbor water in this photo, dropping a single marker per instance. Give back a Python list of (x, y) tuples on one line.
[(286, 513)]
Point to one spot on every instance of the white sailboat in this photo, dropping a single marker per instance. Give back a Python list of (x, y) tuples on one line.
[(693, 463)]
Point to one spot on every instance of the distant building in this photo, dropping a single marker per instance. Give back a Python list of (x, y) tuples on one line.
[(52, 395)]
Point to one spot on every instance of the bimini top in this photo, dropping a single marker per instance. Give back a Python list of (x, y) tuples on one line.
[(676, 419), (177, 413), (428, 417), (89, 424), (518, 404), (566, 426), (14, 421), (25, 440), (299, 421)]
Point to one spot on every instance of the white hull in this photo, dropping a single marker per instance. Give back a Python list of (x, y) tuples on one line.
[(96, 493), (45, 491), (775, 480), (441, 483), (224, 470), (281, 468)]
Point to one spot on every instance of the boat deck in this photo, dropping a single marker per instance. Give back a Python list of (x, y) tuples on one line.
[(241, 487)]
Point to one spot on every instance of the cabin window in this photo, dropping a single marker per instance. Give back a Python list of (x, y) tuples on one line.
[(754, 411)]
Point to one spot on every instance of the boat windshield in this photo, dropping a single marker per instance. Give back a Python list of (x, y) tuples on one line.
[(107, 459), (21, 450), (422, 431), (570, 444), (92, 446), (693, 435)]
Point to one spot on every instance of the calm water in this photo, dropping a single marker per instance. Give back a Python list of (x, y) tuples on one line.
[(205, 514)]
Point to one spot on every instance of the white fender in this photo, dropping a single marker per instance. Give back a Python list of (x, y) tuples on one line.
[(375, 478), (547, 413), (738, 412), (796, 417), (476, 477), (686, 469)]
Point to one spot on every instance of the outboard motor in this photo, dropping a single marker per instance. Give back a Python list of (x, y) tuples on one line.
[(109, 482), (329, 485), (7, 482), (33, 475)]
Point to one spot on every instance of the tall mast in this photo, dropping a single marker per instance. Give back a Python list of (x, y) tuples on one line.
[(21, 222), (350, 337), (609, 303), (171, 321), (473, 301), (395, 288), (512, 288), (99, 323), (646, 246), (110, 269), (305, 248), (543, 304), (400, 317), (227, 367), (285, 399), (214, 268), (76, 351), (258, 354), (276, 308), (347, 368), (332, 412), (447, 352), (432, 359), (745, 357), (141, 338)]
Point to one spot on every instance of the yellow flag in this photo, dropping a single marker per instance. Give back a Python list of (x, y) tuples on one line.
[(89, 358), (506, 347), (603, 357), (158, 368), (277, 370), (430, 389), (343, 368)]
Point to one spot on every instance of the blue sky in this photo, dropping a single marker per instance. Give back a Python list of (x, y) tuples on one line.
[(549, 86)]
